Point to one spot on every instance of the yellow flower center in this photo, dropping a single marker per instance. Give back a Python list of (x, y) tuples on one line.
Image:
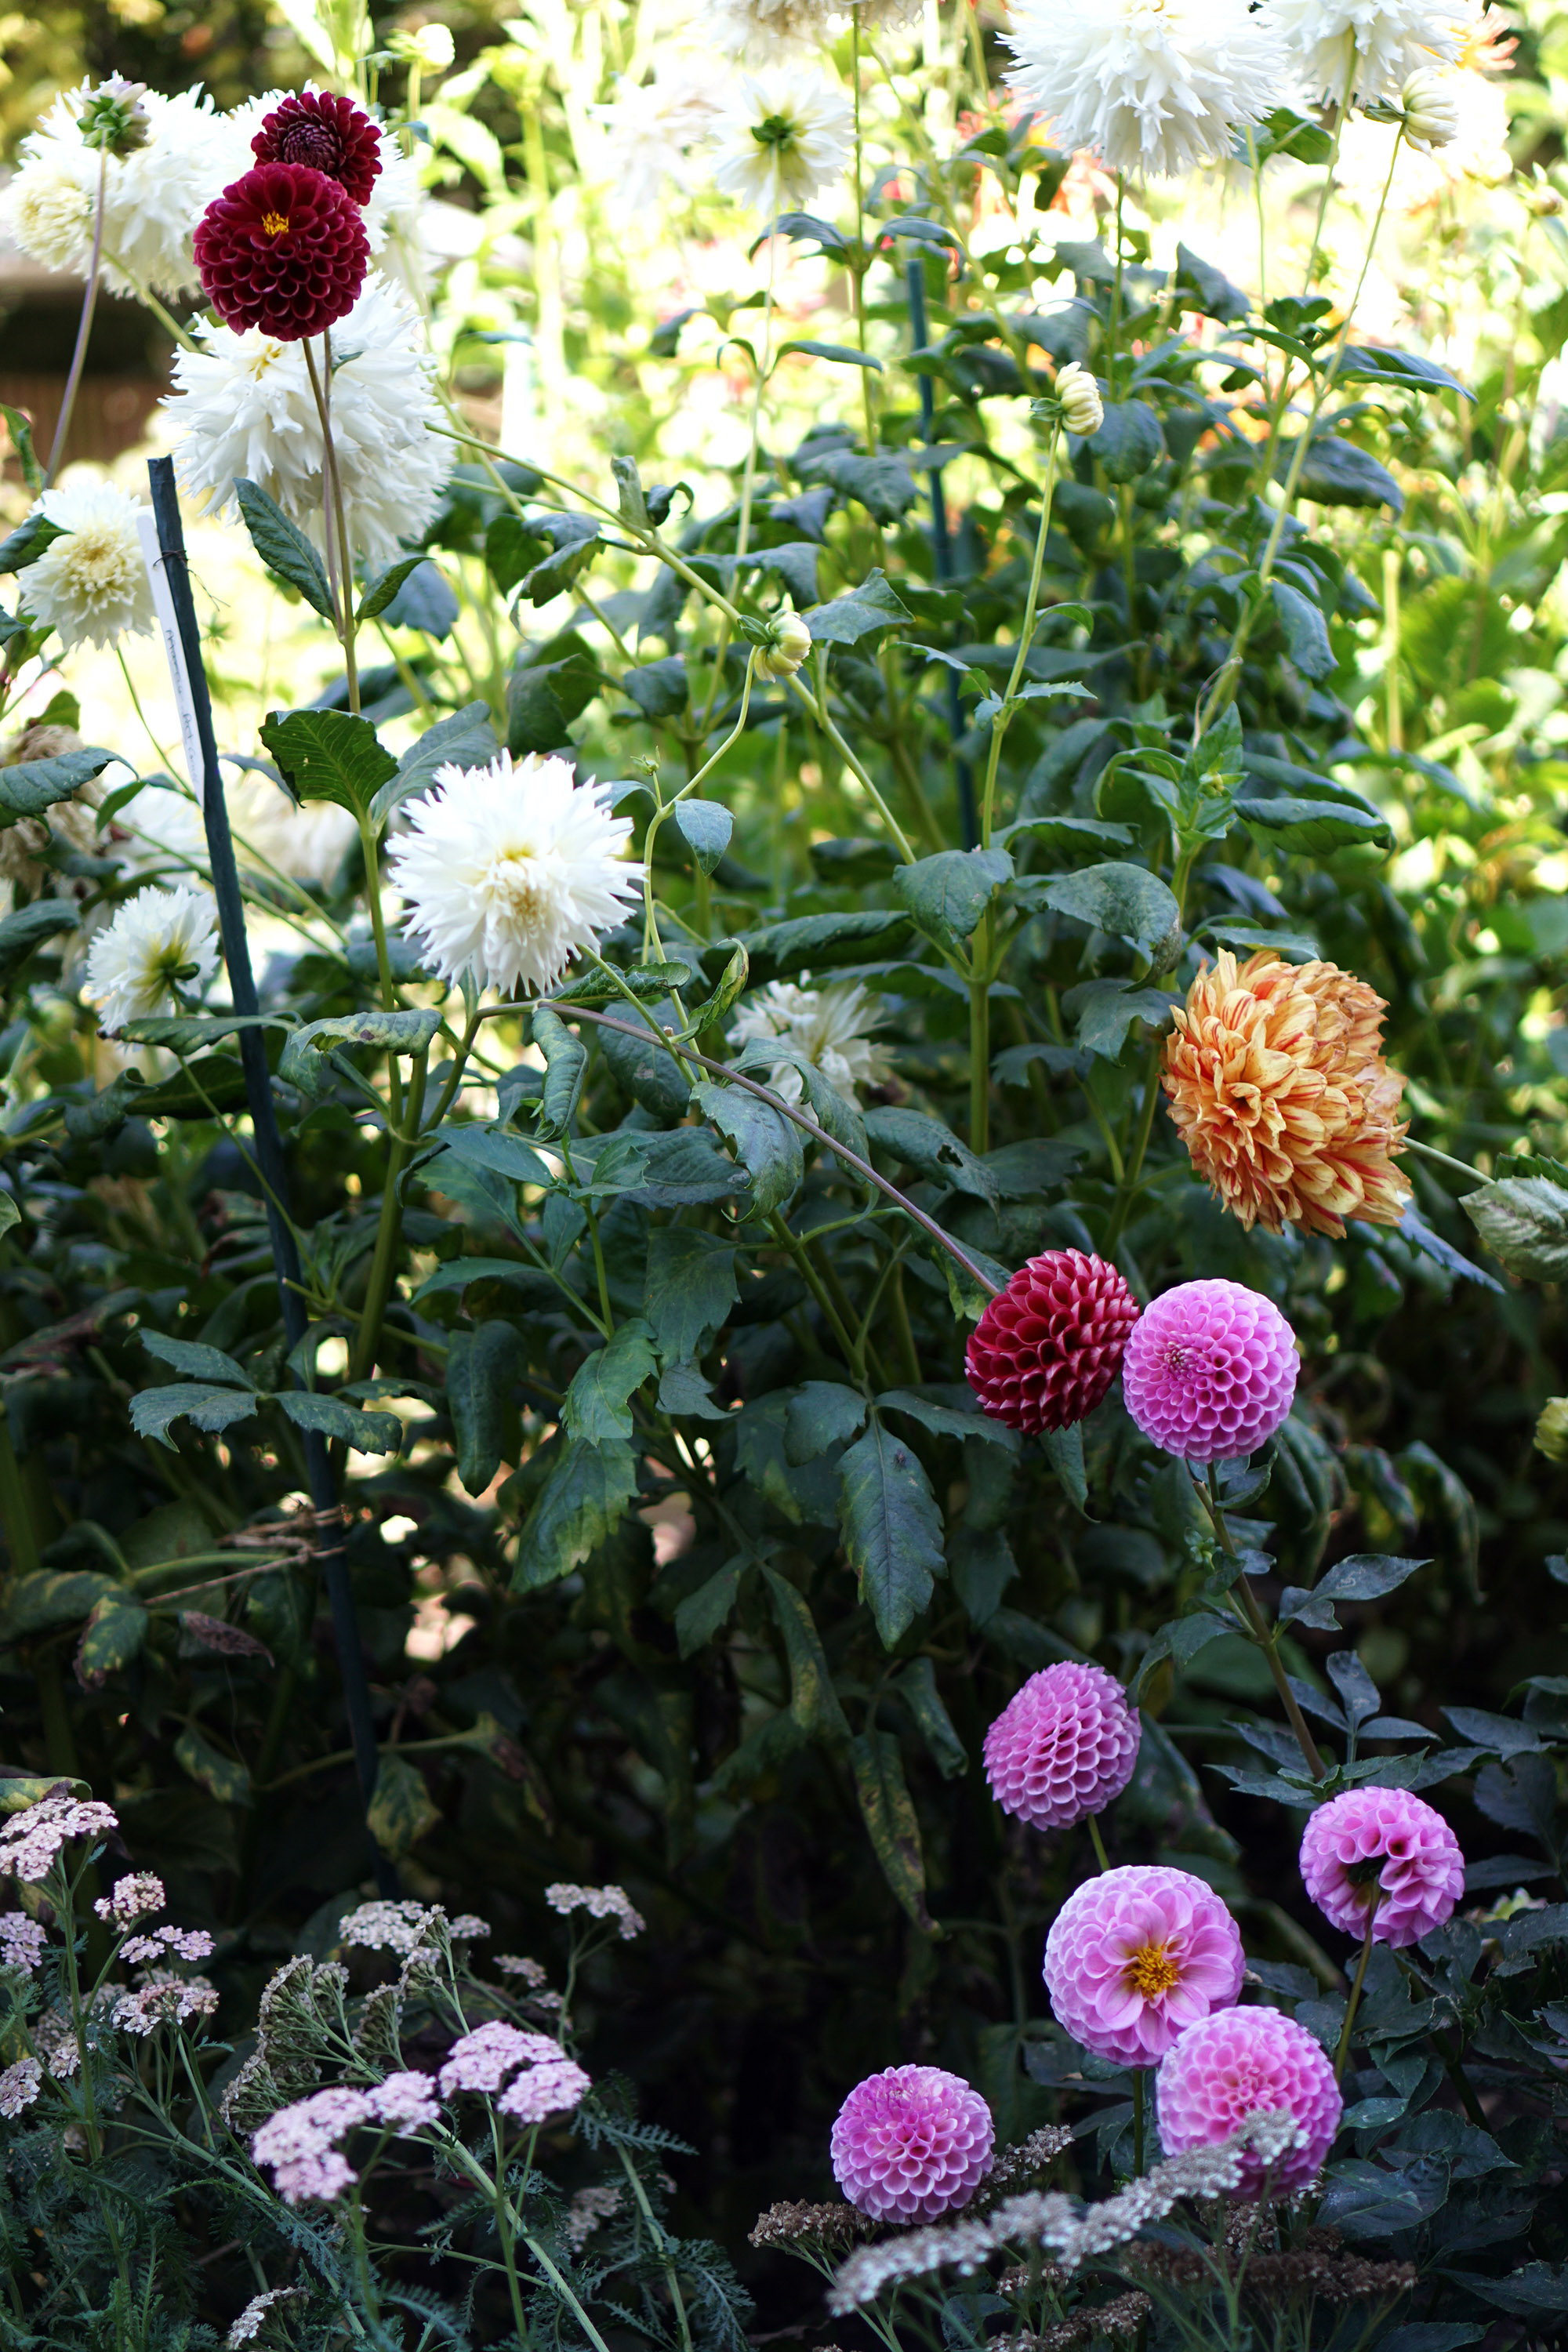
[(275, 224), (1150, 1971), (518, 884)]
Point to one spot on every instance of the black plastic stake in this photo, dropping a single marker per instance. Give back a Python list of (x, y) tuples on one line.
[(264, 1129), (942, 552)]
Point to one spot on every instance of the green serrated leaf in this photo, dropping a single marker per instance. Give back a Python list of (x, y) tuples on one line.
[(401, 1810), (221, 1776), (891, 1527), (367, 1432), (888, 1812), (283, 546), (481, 1368), (597, 1407), (330, 755), (585, 1498)]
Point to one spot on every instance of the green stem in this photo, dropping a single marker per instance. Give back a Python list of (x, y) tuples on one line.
[(1343, 2051), (1140, 2093), (1001, 722), (388, 1234), (1265, 1637), (84, 329), (1099, 1844), (332, 504), (1127, 1187), (817, 703), (980, 1047), (662, 2242)]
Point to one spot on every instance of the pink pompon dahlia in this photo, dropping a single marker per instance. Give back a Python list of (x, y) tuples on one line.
[(1046, 1348), (911, 2143), (1248, 2061), (1065, 1745), (1386, 1847), (1210, 1371), (1136, 1956), (327, 133), (283, 248)]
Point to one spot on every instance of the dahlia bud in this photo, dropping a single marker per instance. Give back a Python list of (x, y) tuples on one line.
[(1551, 1429), (113, 116), (789, 644), (1082, 409), (431, 47), (1431, 109), (1541, 197), (1047, 1348)]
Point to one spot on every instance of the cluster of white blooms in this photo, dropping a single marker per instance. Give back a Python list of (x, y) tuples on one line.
[(600, 1903), (185, 1943), (1156, 87), (30, 1840), (517, 1964), (153, 194), (91, 583), (1359, 50), (161, 941), (254, 2318), (829, 1027), (19, 2085), (468, 1927), (387, 1927), (134, 1897), (1058, 2225), (165, 1999)]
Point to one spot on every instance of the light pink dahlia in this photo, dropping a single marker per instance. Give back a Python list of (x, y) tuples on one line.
[(1386, 1845), (1241, 2063), (1136, 1956), (911, 2143), (1065, 1745), (1210, 1371)]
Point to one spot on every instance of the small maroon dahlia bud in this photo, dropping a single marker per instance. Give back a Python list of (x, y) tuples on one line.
[(325, 134), (283, 249), (1046, 1349)]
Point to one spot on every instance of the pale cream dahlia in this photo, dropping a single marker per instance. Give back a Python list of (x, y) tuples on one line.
[(1276, 1080)]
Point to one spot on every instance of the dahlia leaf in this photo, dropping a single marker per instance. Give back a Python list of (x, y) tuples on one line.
[(888, 1812), (916, 1685), (195, 1361), (329, 755), (1316, 827), (34, 785), (872, 605), (29, 928), (685, 1391), (767, 1145), (818, 942), (813, 1702), (706, 827), (1129, 441), (111, 1637), (1305, 629), (221, 1776), (582, 1500), (700, 1616), (401, 1810), (384, 587), (954, 1420), (891, 1528), (1336, 473), (925, 1144), (53, 1597), (690, 1290), (949, 894), (565, 1060), (1064, 1448), (367, 1432), (597, 1407), (20, 427), (1524, 1221), (283, 546), (821, 1414), (480, 1367), (152, 1411), (1128, 901)]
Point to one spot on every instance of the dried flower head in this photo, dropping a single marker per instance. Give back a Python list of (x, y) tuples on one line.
[(19, 2085), (1245, 2061), (1137, 1955), (326, 133), (911, 2143), (822, 2227), (1277, 1083), (1210, 1371), (162, 946), (1384, 1851), (1047, 1347), (91, 583), (1153, 86), (1064, 1745), (257, 2313), (283, 249)]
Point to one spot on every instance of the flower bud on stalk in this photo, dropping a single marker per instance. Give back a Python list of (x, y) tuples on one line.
[(1431, 109), (114, 117), (1540, 198), (1551, 1429), (431, 47), (1083, 410), (787, 645)]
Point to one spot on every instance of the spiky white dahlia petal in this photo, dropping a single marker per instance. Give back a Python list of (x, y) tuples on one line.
[(1155, 87), (830, 1026), (158, 940), (1366, 49), (92, 582), (781, 136)]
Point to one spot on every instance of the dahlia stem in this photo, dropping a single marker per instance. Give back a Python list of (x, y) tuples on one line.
[(1120, 1208), (341, 577), (1099, 1844), (1263, 1634), (1140, 2084), (1343, 2051), (84, 330)]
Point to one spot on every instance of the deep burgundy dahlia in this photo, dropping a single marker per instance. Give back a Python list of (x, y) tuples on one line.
[(283, 249), (1046, 1349), (326, 134)]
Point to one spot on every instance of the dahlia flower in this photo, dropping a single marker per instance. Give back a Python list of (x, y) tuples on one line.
[(511, 871), (781, 137), (1241, 2063), (830, 1026), (1047, 1347), (1083, 411), (151, 195), (1355, 50), (653, 126), (1277, 1083), (1063, 1746), (911, 2143), (1210, 1371), (91, 584), (327, 133), (242, 405), (1430, 102), (283, 249), (159, 943), (1385, 1851), (390, 208), (1155, 87), (1137, 1955)]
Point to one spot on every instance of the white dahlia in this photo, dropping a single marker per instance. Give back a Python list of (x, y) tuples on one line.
[(1155, 87), (652, 128), (508, 871), (830, 1026), (152, 196), (1367, 49), (160, 945), (92, 582), (243, 405), (781, 137)]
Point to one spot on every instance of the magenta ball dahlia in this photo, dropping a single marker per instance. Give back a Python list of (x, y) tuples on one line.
[(1210, 1371), (326, 133), (1136, 1956), (1046, 1348), (1064, 1746), (911, 2144), (1241, 2063), (1384, 1845), (284, 250)]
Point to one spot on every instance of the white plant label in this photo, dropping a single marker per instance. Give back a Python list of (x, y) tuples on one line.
[(173, 651)]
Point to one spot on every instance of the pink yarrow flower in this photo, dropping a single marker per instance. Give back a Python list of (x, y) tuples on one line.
[(553, 2087), (405, 2101), (1210, 1371), (30, 1840), (1136, 1956), (135, 1896), (297, 2144), (1065, 1745), (23, 1941), (1383, 1846), (911, 2143), (482, 2061), (1241, 2063)]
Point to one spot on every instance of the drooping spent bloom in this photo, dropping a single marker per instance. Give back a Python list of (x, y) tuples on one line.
[(1083, 411), (1430, 101), (257, 2312), (830, 1027), (135, 1895), (30, 1840), (284, 250), (152, 194), (162, 944), (1246, 2061), (1137, 1955), (1277, 1083), (781, 137), (600, 1903), (326, 133), (1386, 1852), (1063, 1746), (298, 2144), (1047, 1347), (508, 871), (1210, 1371), (23, 1941), (1155, 87), (911, 2143), (90, 584), (242, 405), (1355, 50)]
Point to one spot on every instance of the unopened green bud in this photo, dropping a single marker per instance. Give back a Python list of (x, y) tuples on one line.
[(112, 117), (429, 46), (1551, 1429)]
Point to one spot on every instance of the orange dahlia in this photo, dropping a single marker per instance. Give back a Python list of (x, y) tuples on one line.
[(1276, 1079)]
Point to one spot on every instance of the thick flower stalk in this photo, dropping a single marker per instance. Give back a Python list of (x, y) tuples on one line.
[(911, 2143), (1064, 1746), (1047, 1348), (1246, 2061), (1386, 1856), (1155, 87), (1136, 1956), (1210, 1371), (1275, 1077)]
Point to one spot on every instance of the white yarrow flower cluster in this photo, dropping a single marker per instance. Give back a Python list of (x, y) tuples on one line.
[(30, 1840), (781, 136), (165, 1999), (600, 1903), (831, 1027), (242, 406), (1155, 87), (387, 1926), (90, 584), (508, 871), (153, 196), (159, 941), (1363, 50), (254, 2318)]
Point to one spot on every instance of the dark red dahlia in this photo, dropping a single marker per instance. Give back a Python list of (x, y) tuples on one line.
[(1047, 1348), (283, 249), (326, 134)]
